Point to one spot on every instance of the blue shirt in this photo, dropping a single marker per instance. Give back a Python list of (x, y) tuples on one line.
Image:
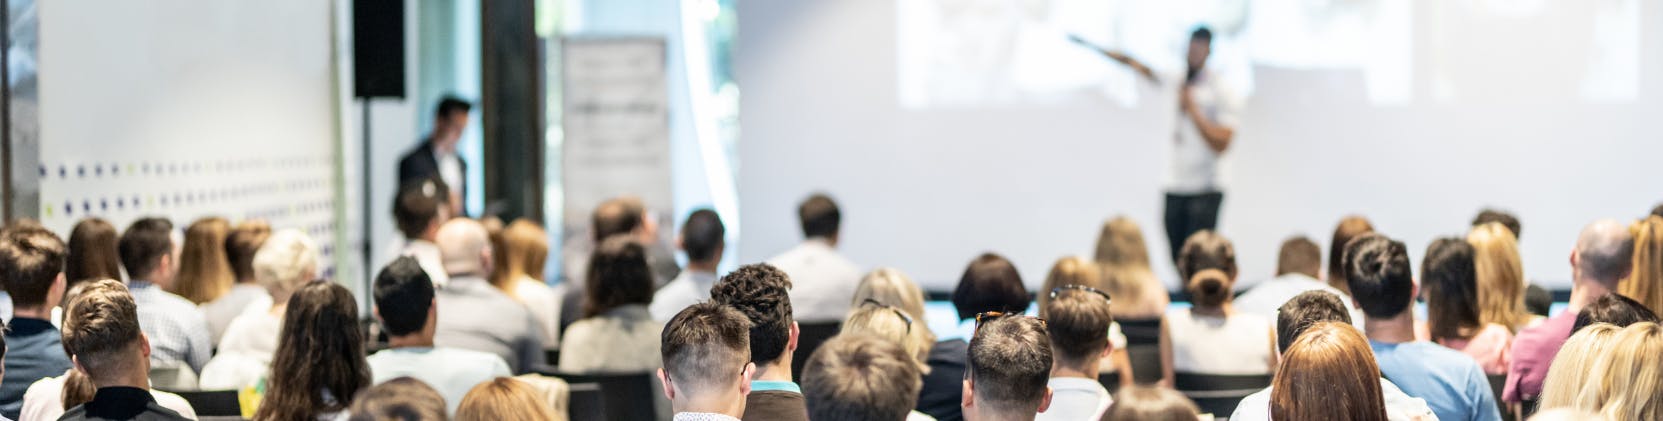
[(35, 352), (1450, 382)]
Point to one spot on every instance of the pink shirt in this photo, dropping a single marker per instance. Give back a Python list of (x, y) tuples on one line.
[(1491, 347), (1532, 353)]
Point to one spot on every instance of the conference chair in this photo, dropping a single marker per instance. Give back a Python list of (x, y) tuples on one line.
[(1218, 394), (219, 404), (622, 396), (809, 338), (172, 375), (587, 402), (1498, 382)]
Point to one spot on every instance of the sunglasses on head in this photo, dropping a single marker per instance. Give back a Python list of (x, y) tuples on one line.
[(1065, 288), (991, 315), (898, 313)]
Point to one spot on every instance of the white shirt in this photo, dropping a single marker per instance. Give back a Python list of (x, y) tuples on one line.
[(1267, 297), (1074, 398), (822, 281), (689, 288), (44, 400), (703, 416), (427, 255), (221, 311), (1195, 165), (1236, 345), (1399, 406), (450, 371), (543, 301), (246, 352), (450, 170)]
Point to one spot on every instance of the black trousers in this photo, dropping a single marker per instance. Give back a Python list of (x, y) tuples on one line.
[(1187, 214)]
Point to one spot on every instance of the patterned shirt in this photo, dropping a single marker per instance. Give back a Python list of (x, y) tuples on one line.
[(703, 416), (177, 330)]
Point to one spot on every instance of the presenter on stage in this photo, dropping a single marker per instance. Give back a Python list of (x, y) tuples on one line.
[(436, 156)]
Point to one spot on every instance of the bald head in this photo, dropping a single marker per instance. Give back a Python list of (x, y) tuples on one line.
[(465, 247), (1604, 253)]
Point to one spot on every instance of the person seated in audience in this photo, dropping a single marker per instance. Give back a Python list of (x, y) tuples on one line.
[(1149, 403), (48, 398), (204, 272), (991, 283), (1383, 286), (859, 377), (1537, 300), (617, 333), (1329, 363), (707, 370), (1645, 282), (761, 293), (1076, 318), (409, 314), (1613, 309), (1450, 285), (1124, 258), (1307, 309), (400, 399), (624, 216), (1075, 272), (246, 293), (1602, 258), (894, 325), (177, 331), (285, 263), (31, 269), (1500, 273), (1572, 369), (520, 250), (503, 398), (889, 287), (319, 367), (1297, 264), (420, 208), (1010, 365), (702, 240), (821, 276), (478, 316), (1211, 337), (102, 337), (1566, 414), (1350, 227), (1627, 382), (92, 253)]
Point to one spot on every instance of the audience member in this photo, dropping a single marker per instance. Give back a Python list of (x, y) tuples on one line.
[(1613, 309), (702, 240), (1602, 257), (31, 269), (1076, 272), (409, 314), (1452, 311), (1501, 281), (1124, 258), (246, 293), (319, 367), (991, 283), (1297, 265), (1645, 281), (762, 293), (1573, 369), (420, 208), (1629, 382), (624, 216), (1350, 227), (285, 263), (204, 272), (1010, 365), (1148, 403), (1507, 220), (177, 332), (400, 399), (1537, 300), (703, 348), (521, 249), (1658, 210), (480, 317), (890, 287), (617, 332), (822, 276), (858, 377), (92, 252), (1077, 317), (1190, 337), (48, 398), (892, 324), (1327, 374), (1566, 414), (1383, 286), (102, 336), (503, 399)]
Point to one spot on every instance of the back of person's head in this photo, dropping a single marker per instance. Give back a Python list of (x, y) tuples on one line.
[(400, 399), (31, 264), (1451, 289), (1571, 372), (1308, 309), (285, 262), (618, 276), (857, 377), (320, 350), (892, 324), (241, 244), (464, 247), (1299, 255), (1076, 271), (92, 252), (1009, 365), (1497, 216), (1645, 280), (617, 216), (143, 246), (706, 349), (1500, 275), (702, 236), (990, 283), (204, 271), (1566, 414), (1350, 227), (1150, 403), (1077, 322), (403, 297), (891, 287), (1378, 272), (451, 105), (1657, 211), (503, 399), (1328, 373), (521, 252), (1634, 370), (762, 293), (1604, 253), (420, 207), (1207, 263), (101, 331), (1123, 257), (1613, 309), (819, 216)]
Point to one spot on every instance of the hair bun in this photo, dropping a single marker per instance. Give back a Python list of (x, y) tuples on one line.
[(1209, 288)]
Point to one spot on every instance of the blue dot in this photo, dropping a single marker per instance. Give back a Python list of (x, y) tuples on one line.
[(63, 172), (115, 169), (43, 171), (120, 203), (86, 205), (103, 204), (98, 170), (69, 208), (81, 170)]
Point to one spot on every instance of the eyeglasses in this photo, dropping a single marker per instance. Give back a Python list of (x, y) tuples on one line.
[(898, 313), (990, 315), (1059, 290)]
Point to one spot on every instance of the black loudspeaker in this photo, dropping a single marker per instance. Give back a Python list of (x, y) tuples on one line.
[(378, 48)]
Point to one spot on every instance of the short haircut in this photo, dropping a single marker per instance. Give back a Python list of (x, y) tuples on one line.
[(1150, 403), (451, 104), (819, 216), (1657, 211), (860, 377), (1078, 326), (706, 345), (702, 235), (990, 283), (245, 239), (101, 329), (1010, 363), (31, 258), (503, 399), (1450, 277), (762, 293), (143, 245), (620, 215), (400, 399), (1500, 217), (618, 276), (1349, 228), (419, 204), (1378, 272), (403, 296), (1307, 309), (1613, 309), (1299, 255), (1201, 33)]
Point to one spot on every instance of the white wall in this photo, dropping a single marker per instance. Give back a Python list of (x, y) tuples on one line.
[(926, 190)]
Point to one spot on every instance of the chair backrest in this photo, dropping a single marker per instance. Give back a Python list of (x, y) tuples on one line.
[(587, 402), (1146, 363), (1219, 394), (1110, 381), (212, 403), (1141, 331), (809, 338), (623, 396), (1498, 382), (172, 375)]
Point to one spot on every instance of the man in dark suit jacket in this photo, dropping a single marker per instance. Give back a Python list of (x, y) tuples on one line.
[(436, 156)]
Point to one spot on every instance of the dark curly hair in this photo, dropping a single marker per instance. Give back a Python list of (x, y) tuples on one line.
[(761, 292), (618, 276)]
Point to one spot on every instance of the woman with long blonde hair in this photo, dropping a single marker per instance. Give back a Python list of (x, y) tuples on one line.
[(891, 287), (1572, 367), (204, 270), (503, 399), (1124, 259), (1645, 281), (1630, 375), (522, 249), (1501, 281), (1328, 373)]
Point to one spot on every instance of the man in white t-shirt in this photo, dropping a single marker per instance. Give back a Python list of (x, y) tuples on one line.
[(822, 280), (1078, 326), (702, 240), (409, 314), (1297, 265)]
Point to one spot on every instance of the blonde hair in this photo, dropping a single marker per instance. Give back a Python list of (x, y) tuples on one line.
[(1501, 281), (286, 262), (1645, 282), (882, 322), (1570, 373), (503, 399), (204, 270), (1632, 374), (1124, 259), (892, 287), (1066, 271), (520, 249)]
